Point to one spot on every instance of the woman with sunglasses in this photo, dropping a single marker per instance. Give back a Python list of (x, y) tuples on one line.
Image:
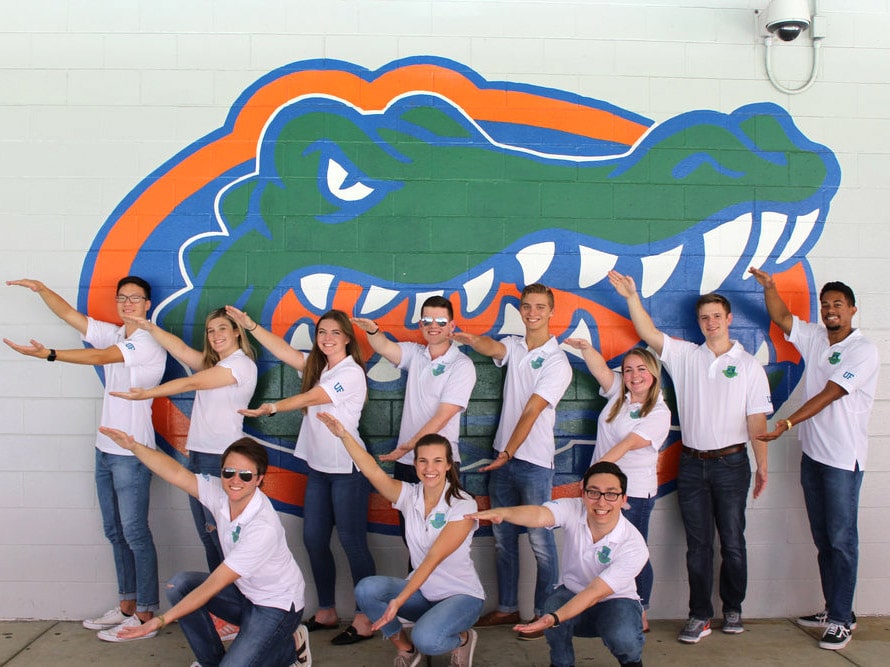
[(337, 493), (630, 430), (443, 595), (267, 597), (224, 380)]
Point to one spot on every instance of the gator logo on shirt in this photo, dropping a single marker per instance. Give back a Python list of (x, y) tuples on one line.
[(438, 520), (835, 358), (330, 185), (635, 414), (236, 534), (537, 363), (730, 372), (438, 370), (604, 555)]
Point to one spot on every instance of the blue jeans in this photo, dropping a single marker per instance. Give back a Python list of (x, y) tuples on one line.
[(522, 483), (205, 524), (832, 499), (341, 499), (638, 512), (714, 491), (122, 485), (266, 636), (437, 624), (619, 622)]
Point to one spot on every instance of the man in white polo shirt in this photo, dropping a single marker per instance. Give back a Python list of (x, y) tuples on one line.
[(840, 382), (723, 398), (538, 374), (440, 381), (601, 556)]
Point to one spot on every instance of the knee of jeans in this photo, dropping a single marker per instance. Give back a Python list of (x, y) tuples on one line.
[(176, 587)]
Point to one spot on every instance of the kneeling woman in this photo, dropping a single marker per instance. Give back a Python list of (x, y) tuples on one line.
[(443, 595), (267, 598)]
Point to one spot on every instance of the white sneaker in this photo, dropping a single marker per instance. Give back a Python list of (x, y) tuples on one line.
[(304, 654), (107, 620), (113, 634)]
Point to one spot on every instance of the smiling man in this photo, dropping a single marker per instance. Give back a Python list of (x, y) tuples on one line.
[(130, 357), (538, 374), (840, 382), (601, 556), (723, 398)]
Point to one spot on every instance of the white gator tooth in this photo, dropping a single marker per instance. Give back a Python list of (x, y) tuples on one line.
[(657, 269), (476, 289), (419, 298), (512, 322), (581, 331), (301, 338), (384, 371), (535, 260), (772, 225), (594, 266), (803, 226), (376, 298), (762, 354), (724, 246), (316, 288)]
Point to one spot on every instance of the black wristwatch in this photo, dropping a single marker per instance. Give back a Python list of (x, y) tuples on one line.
[(555, 620), (52, 355)]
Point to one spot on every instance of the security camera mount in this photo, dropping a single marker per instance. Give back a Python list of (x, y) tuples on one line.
[(765, 29)]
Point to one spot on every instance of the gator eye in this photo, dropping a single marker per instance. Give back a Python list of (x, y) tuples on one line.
[(336, 177)]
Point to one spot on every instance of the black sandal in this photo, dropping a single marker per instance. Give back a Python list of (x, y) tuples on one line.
[(350, 636)]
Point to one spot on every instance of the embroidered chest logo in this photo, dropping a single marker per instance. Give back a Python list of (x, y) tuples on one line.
[(438, 520), (129, 346), (236, 534), (438, 370), (603, 555), (537, 363), (635, 414), (338, 388), (730, 372), (835, 358)]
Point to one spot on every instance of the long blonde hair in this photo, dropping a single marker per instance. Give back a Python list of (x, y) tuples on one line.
[(211, 356), (654, 369)]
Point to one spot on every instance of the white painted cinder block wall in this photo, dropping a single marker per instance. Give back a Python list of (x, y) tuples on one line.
[(95, 95)]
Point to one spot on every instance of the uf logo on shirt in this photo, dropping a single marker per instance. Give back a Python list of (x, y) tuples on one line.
[(130, 346), (438, 370), (338, 388), (438, 520), (537, 363), (849, 375), (730, 372), (835, 358)]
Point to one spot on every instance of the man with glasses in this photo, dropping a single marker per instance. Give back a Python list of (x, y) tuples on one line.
[(723, 397), (601, 556), (538, 374), (440, 381), (130, 357)]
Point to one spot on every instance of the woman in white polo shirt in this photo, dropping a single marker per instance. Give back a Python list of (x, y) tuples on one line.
[(630, 430), (224, 380), (443, 595), (337, 493), (267, 597)]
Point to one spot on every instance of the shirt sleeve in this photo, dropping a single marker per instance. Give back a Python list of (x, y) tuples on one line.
[(563, 509), (252, 550), (345, 385), (243, 368), (857, 364), (626, 564), (554, 379), (508, 342), (654, 427), (461, 381), (759, 397)]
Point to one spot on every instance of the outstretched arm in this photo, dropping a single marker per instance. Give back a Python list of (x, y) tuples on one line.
[(386, 348), (646, 330), (629, 443), (594, 593), (212, 378), (170, 342), (437, 422), (61, 308), (315, 396), (775, 305), (532, 410), (530, 516), (482, 344), (89, 356), (596, 363), (812, 407), (155, 460), (279, 347)]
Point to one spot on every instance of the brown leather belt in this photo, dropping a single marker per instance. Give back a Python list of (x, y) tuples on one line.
[(713, 453)]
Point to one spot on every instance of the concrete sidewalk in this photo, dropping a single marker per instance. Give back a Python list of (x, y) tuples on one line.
[(765, 642)]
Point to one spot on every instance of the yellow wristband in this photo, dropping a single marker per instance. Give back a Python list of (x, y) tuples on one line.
[(788, 424), (163, 620)]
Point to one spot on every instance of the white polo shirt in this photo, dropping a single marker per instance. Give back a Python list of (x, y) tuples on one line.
[(449, 378), (638, 464), (715, 394), (143, 366), (838, 434), (616, 559), (456, 574), (544, 371), (347, 388), (254, 546), (215, 422)]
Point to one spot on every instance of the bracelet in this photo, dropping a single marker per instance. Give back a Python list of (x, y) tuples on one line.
[(788, 424), (555, 620), (163, 620), (375, 332), (509, 455), (52, 355), (255, 325)]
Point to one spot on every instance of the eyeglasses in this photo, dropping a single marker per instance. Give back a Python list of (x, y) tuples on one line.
[(245, 475), (596, 494), (133, 298), (428, 321)]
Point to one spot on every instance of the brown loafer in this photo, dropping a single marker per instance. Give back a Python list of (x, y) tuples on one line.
[(493, 618)]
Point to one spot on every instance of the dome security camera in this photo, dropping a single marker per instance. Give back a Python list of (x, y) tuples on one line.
[(786, 19)]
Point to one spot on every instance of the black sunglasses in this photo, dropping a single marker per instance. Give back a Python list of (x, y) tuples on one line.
[(245, 475)]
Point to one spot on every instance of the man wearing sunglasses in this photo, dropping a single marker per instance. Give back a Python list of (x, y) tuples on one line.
[(602, 554), (130, 357), (440, 381), (538, 374)]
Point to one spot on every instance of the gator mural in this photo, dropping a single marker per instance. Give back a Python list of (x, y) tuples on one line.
[(331, 186)]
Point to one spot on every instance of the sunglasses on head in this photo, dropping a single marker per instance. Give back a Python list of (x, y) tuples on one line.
[(428, 321), (245, 475)]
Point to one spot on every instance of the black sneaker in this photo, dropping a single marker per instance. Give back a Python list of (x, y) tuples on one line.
[(836, 637), (820, 620)]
